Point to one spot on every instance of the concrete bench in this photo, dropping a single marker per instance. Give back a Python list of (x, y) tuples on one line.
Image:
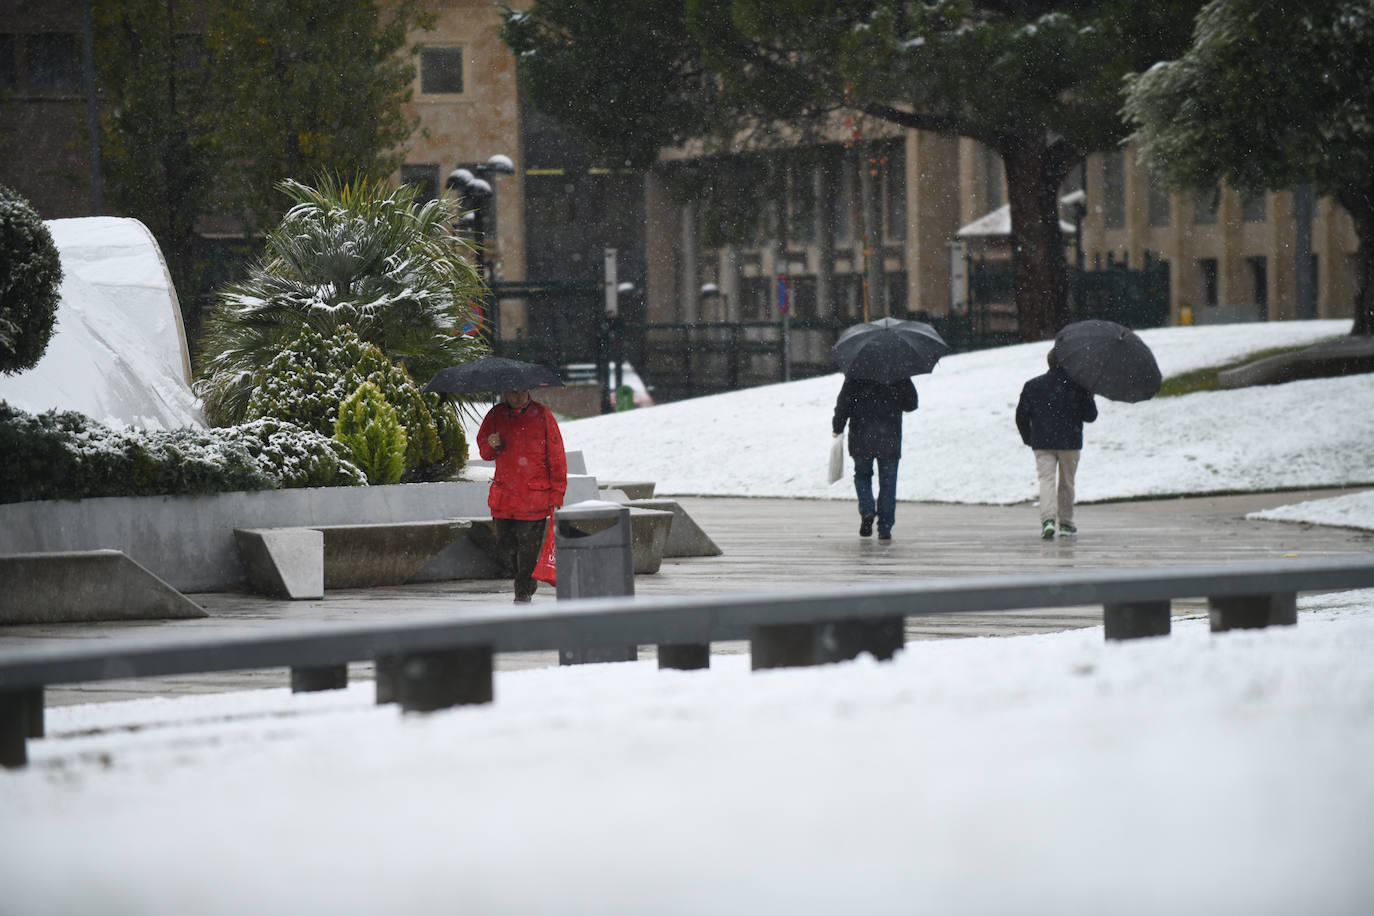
[(633, 489), (649, 532), (434, 661), (301, 562), (685, 536), (83, 586)]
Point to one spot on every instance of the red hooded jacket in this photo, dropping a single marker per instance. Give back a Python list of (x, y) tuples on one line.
[(531, 466)]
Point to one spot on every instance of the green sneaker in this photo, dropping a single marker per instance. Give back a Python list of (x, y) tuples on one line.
[(1047, 531), (1067, 531)]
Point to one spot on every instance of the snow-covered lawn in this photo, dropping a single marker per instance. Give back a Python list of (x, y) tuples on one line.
[(961, 445)]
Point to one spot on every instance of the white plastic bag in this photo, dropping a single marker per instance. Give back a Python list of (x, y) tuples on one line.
[(836, 459)]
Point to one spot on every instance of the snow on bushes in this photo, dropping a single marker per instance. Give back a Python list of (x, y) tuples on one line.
[(67, 455), (311, 376)]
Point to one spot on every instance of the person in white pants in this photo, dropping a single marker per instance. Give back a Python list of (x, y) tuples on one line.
[(1050, 418)]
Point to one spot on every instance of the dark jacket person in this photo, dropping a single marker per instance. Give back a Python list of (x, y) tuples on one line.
[(873, 411), (1050, 418)]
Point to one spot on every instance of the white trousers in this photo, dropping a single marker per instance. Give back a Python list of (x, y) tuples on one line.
[(1056, 501)]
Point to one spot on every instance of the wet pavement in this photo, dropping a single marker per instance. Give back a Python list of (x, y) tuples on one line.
[(783, 544)]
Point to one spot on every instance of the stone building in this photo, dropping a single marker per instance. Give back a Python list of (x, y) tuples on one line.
[(906, 192), (1229, 256)]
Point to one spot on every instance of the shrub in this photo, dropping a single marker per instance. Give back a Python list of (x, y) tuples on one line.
[(296, 457), (30, 284), (67, 455), (367, 427), (306, 382)]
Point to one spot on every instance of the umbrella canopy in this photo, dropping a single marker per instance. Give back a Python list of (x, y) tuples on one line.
[(1108, 359), (494, 373), (888, 350)]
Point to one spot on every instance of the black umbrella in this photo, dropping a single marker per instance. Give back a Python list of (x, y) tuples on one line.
[(1108, 359), (888, 350), (494, 373)]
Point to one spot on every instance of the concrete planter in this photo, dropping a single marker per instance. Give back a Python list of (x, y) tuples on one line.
[(188, 541)]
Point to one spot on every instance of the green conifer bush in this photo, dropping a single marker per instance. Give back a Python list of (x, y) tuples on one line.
[(305, 383), (368, 428)]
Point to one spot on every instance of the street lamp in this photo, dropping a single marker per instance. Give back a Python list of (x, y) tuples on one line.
[(1077, 202), (474, 183)]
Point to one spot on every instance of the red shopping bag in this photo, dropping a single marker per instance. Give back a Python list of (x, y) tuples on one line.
[(546, 570)]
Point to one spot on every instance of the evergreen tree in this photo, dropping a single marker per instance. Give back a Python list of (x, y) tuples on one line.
[(368, 428), (30, 284), (1270, 96), (206, 106), (159, 116), (1039, 82)]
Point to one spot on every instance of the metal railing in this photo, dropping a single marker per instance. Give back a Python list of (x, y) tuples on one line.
[(437, 660)]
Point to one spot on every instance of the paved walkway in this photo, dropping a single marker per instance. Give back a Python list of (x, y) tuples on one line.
[(776, 544)]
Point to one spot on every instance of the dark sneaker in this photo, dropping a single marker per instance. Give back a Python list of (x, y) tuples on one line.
[(884, 534), (1067, 531), (524, 599), (1047, 531), (866, 526)]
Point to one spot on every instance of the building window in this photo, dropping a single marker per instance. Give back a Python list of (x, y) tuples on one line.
[(1159, 201), (894, 190), (441, 71), (992, 178), (894, 284), (1259, 270), (9, 73), (1208, 267), (842, 205), (54, 63), (754, 302), (1252, 208), (802, 199), (1206, 202), (425, 178), (1114, 190)]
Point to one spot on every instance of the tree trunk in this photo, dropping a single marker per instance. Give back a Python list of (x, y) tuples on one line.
[(1039, 268), (1361, 208)]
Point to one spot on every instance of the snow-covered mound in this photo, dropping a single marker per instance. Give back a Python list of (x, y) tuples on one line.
[(118, 352)]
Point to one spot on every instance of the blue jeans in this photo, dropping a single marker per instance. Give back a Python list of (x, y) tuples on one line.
[(887, 489)]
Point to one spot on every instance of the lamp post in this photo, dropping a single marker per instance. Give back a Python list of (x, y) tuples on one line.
[(475, 184), (1077, 201)]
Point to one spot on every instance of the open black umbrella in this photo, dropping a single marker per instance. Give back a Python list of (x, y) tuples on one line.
[(494, 373), (1108, 359), (888, 350)]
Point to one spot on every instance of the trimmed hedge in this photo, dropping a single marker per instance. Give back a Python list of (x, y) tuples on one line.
[(67, 455)]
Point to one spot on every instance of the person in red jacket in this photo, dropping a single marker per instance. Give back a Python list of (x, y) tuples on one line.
[(521, 436)]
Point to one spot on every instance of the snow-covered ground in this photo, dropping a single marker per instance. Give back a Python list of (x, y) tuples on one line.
[(961, 444), (1193, 774)]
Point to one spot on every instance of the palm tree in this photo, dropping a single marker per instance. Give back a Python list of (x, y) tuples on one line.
[(358, 254)]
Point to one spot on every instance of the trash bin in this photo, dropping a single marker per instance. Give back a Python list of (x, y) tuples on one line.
[(595, 560)]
